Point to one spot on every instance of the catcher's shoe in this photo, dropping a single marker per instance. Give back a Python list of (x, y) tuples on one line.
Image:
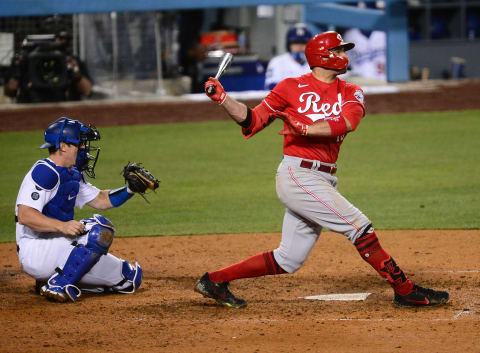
[(218, 291), (421, 297), (59, 294), (38, 285)]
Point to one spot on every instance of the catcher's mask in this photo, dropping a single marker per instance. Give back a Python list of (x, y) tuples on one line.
[(75, 132), (318, 51)]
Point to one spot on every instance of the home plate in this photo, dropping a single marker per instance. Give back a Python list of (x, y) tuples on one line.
[(341, 296)]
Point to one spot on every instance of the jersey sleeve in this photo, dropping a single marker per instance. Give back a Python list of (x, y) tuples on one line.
[(86, 193), (260, 120), (261, 113), (353, 108), (354, 95), (38, 187), (275, 101)]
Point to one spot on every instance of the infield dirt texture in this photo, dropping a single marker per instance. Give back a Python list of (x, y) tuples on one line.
[(165, 315)]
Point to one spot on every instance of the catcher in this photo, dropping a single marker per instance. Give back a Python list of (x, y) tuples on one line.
[(64, 255)]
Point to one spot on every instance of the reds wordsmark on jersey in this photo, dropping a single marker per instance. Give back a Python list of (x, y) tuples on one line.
[(309, 100)]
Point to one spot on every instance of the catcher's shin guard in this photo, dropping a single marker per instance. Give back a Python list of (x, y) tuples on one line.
[(61, 286), (132, 278)]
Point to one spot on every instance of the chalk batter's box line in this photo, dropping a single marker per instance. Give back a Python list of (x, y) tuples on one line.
[(451, 271), (454, 318)]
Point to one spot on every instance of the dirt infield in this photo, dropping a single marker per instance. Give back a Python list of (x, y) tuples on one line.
[(166, 315)]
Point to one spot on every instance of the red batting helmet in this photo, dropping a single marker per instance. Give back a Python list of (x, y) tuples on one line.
[(318, 51)]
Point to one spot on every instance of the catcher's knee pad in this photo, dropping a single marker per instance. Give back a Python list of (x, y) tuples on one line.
[(132, 278), (100, 233)]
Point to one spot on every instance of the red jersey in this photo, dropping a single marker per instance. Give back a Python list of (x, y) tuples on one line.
[(309, 100)]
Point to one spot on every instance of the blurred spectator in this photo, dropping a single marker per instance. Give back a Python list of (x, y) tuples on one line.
[(473, 26), (44, 70), (368, 58), (293, 63)]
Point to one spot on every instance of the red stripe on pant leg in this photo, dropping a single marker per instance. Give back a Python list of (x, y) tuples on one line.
[(258, 265), (320, 200), (373, 253)]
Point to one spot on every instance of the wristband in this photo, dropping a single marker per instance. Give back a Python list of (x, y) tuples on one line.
[(338, 126), (248, 120), (119, 196)]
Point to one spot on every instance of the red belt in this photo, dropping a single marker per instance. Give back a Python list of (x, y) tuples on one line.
[(323, 168)]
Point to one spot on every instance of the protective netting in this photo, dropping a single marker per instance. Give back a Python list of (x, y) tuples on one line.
[(127, 54)]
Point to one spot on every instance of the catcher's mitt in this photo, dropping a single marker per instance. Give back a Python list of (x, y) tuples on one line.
[(139, 179)]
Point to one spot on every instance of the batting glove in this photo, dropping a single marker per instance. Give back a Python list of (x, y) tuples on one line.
[(292, 126), (214, 89)]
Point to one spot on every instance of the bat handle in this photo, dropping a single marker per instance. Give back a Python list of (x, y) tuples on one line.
[(210, 90)]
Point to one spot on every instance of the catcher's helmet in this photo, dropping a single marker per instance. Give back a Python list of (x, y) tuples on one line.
[(64, 130), (298, 34), (318, 51), (73, 131)]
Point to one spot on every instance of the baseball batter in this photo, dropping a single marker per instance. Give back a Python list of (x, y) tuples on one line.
[(318, 110), (69, 255)]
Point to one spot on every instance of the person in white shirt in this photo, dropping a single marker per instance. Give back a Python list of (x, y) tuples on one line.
[(64, 255), (369, 57), (293, 63)]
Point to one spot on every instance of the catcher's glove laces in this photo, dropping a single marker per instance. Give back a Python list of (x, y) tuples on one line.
[(138, 179)]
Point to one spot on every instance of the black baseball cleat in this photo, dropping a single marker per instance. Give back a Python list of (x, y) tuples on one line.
[(421, 297), (38, 285), (219, 292)]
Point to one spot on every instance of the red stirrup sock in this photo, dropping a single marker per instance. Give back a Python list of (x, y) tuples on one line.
[(372, 252), (258, 265)]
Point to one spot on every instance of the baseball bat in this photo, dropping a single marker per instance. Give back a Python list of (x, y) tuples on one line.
[(222, 68)]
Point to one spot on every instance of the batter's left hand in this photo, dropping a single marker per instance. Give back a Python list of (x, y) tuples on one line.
[(214, 90), (292, 126)]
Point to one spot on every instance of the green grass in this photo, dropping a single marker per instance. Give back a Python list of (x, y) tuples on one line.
[(405, 171)]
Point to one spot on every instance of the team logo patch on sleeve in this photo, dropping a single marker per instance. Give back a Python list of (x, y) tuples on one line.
[(35, 196), (358, 95)]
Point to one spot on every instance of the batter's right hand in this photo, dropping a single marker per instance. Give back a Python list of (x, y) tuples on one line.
[(72, 228), (292, 126), (218, 95)]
